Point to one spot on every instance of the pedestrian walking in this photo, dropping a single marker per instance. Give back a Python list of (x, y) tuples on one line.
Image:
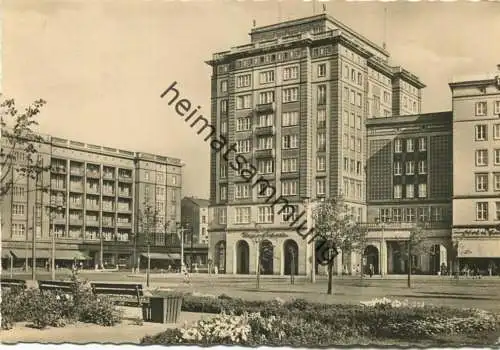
[(371, 270), (187, 278)]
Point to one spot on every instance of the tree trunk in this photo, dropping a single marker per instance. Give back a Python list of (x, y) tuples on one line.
[(409, 264), (330, 277)]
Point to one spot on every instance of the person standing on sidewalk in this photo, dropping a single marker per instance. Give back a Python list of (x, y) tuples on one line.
[(371, 270)]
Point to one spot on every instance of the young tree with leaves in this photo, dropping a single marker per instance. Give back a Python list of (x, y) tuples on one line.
[(414, 245), (147, 218), (336, 228), (19, 137)]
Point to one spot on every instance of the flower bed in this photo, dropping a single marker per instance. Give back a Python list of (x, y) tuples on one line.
[(300, 323), (56, 309)]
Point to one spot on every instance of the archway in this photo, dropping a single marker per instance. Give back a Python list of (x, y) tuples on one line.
[(266, 257), (220, 256), (291, 253), (242, 258), (372, 257)]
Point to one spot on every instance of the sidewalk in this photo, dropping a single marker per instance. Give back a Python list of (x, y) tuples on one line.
[(82, 333)]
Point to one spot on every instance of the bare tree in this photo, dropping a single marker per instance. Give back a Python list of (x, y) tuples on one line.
[(19, 146), (336, 229), (147, 219)]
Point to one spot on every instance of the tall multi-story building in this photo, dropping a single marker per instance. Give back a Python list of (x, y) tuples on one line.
[(92, 197), (194, 218), (294, 102), (476, 165)]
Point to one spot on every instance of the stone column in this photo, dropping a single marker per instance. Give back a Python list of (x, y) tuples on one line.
[(383, 257)]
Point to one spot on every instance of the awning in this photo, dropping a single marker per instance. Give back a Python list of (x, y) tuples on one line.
[(162, 256), (6, 254), (47, 254), (488, 248)]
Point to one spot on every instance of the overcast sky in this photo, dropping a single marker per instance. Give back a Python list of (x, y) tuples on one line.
[(101, 65)]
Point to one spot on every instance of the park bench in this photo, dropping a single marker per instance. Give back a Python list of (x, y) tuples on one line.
[(133, 291), (12, 283), (63, 286)]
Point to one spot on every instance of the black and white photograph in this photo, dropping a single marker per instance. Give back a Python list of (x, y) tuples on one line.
[(282, 173)]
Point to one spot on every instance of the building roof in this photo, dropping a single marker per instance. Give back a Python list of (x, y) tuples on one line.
[(476, 78), (427, 118), (198, 201)]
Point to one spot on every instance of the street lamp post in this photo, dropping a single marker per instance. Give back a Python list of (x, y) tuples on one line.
[(307, 204)]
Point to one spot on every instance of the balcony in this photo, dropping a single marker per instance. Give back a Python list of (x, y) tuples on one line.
[(59, 221), (108, 208), (108, 175), (76, 221), (95, 174), (265, 107), (90, 206), (265, 130), (76, 205), (264, 153), (125, 178), (93, 189), (91, 236), (124, 224), (76, 188), (124, 209), (405, 225), (107, 192), (58, 169), (76, 172), (58, 187), (108, 223), (91, 222), (124, 193)]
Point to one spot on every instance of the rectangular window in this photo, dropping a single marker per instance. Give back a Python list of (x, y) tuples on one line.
[(410, 191), (241, 191), (352, 120), (481, 108), (243, 102), (353, 143), (243, 124), (481, 157), (359, 100), (320, 187), (265, 166), (264, 142), (358, 167), (266, 97), (289, 213), (398, 191), (221, 214), (267, 77), (321, 70), (223, 127), (243, 146), (321, 94), (496, 156), (346, 94), (18, 230), (398, 146), (396, 214), (242, 215), (481, 182), (289, 188), (481, 132), (290, 118), (288, 165), (264, 190), (243, 80), (410, 215), (265, 215), (223, 193), (422, 167), (290, 73), (289, 141), (18, 209), (410, 167), (223, 171), (352, 98), (384, 214), (266, 120), (321, 118), (422, 190), (497, 204), (223, 106), (358, 145), (358, 122), (422, 144), (423, 214), (223, 86), (346, 118), (410, 145), (496, 131), (482, 211), (398, 169), (321, 163), (497, 107), (437, 214), (321, 141), (496, 182), (360, 79), (290, 95), (346, 141)]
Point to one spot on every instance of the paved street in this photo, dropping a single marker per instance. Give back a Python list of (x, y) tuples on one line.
[(481, 293)]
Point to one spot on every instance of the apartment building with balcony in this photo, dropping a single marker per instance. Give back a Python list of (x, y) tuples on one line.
[(295, 101), (91, 196), (476, 165)]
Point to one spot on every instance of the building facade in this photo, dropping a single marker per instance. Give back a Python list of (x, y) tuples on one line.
[(92, 198), (194, 218), (476, 165), (295, 103)]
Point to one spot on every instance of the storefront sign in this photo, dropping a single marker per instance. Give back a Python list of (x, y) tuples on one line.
[(264, 235)]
